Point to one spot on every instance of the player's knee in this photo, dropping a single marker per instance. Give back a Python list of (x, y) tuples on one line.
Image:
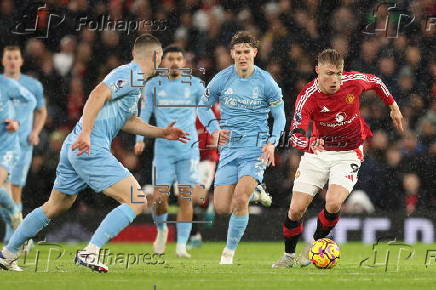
[(296, 213), (53, 210), (240, 201), (222, 209), (333, 206)]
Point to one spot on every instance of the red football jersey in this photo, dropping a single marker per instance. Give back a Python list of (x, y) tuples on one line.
[(336, 117)]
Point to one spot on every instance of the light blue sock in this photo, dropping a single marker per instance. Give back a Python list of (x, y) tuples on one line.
[(31, 225), (115, 221), (237, 226), (6, 200), (6, 218), (159, 221), (18, 206), (183, 232)]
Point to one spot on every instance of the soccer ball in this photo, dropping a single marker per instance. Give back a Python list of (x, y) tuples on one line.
[(324, 253)]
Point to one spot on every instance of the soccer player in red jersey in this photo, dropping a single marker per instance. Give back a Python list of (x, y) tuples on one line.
[(334, 152)]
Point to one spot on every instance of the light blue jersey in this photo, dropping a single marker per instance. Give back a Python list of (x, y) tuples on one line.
[(173, 100), (24, 110), (244, 103), (100, 169), (9, 145), (125, 82), (33, 91)]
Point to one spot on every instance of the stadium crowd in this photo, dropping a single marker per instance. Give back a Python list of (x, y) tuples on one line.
[(398, 172)]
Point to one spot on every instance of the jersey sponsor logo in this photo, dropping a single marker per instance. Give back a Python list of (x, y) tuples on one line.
[(340, 123), (349, 99), (324, 110), (229, 91), (340, 117), (233, 102)]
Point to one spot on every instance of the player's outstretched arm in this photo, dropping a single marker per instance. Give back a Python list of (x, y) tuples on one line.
[(138, 127), (93, 105), (397, 117)]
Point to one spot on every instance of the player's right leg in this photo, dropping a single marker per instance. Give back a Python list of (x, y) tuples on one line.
[(133, 202), (311, 176), (163, 178), (293, 228), (34, 222), (18, 178), (9, 212), (63, 195)]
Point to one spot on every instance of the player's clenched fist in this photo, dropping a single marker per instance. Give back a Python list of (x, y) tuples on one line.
[(83, 143), (316, 145), (173, 133)]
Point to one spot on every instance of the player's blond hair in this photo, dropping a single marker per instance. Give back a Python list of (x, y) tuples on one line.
[(11, 48), (331, 56)]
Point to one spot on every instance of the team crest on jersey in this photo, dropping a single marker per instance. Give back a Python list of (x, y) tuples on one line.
[(255, 92), (229, 91), (349, 99)]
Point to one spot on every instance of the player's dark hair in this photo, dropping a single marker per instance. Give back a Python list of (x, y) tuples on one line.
[(331, 56), (244, 37), (145, 40), (173, 49)]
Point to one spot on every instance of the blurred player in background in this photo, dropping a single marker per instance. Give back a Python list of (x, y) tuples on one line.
[(334, 152), (246, 94), (174, 97), (9, 146), (86, 159), (31, 115)]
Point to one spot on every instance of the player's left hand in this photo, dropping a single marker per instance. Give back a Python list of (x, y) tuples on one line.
[(11, 125), (268, 154), (173, 133), (83, 143), (397, 118), (33, 139)]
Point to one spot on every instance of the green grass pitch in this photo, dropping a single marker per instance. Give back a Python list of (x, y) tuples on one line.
[(252, 269)]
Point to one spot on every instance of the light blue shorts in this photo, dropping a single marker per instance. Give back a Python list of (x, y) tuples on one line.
[(171, 169), (99, 170), (8, 159), (21, 168), (238, 162)]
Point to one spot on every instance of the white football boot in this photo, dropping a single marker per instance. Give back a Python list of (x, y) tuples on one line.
[(90, 260), (160, 242), (8, 261), (262, 196), (227, 257)]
